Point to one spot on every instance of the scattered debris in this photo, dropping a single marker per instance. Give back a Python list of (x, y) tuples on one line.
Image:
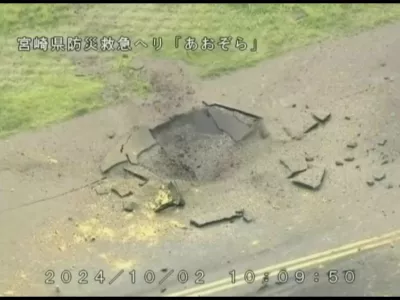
[(349, 158), (164, 270), (321, 116), (129, 206), (247, 218), (389, 186), (163, 290), (382, 143), (140, 140), (384, 162), (347, 118), (294, 165), (311, 178), (357, 166), (379, 176), (338, 163), (388, 78), (216, 218), (352, 145), (370, 182), (167, 196)]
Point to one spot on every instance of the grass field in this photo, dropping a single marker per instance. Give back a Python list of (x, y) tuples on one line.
[(39, 88)]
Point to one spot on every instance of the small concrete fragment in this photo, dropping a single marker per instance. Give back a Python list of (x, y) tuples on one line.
[(294, 165), (347, 118), (311, 179), (370, 182), (215, 218), (111, 135), (102, 189), (166, 197), (382, 143), (379, 176), (352, 145), (309, 158), (228, 123), (339, 163), (129, 206), (389, 186), (321, 115), (349, 158)]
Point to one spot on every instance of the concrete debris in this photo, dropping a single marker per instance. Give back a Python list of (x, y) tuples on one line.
[(352, 145), (311, 178), (232, 126), (137, 172), (370, 182), (102, 189), (379, 176), (384, 162), (382, 143), (123, 188), (309, 158), (349, 158), (294, 165), (129, 206), (166, 197), (389, 186), (111, 135), (321, 115), (347, 118), (338, 163), (216, 218)]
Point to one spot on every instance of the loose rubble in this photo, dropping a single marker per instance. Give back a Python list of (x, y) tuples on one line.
[(379, 176), (321, 115), (294, 165)]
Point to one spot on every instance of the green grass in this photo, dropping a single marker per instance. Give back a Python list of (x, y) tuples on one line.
[(37, 89)]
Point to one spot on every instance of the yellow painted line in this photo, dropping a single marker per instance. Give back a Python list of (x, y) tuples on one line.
[(301, 263)]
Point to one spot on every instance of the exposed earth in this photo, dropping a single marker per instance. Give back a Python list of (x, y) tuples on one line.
[(326, 174)]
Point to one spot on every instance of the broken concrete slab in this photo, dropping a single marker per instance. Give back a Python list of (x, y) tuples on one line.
[(311, 178), (138, 172), (140, 140), (321, 115), (294, 165), (231, 125), (167, 196), (215, 218), (114, 157), (123, 188)]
